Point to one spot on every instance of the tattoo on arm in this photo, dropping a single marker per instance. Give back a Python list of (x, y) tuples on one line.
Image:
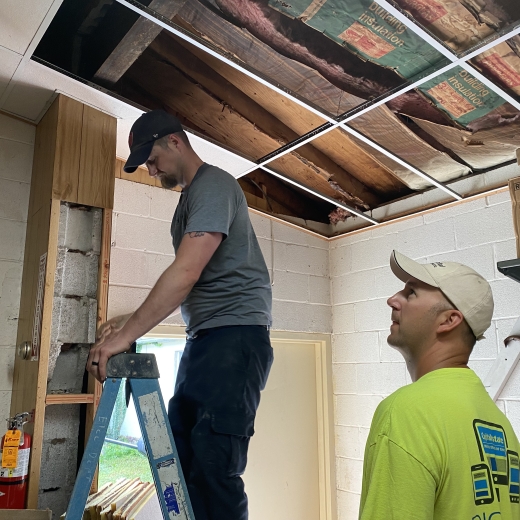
[(195, 234)]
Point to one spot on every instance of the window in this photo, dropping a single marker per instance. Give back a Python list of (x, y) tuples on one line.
[(123, 454)]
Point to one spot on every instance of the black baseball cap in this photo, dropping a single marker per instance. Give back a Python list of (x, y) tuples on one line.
[(144, 132)]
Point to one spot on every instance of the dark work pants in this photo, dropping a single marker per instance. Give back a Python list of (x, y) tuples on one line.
[(212, 413)]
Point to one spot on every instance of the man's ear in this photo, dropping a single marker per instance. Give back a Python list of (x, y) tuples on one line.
[(174, 140), (449, 320)]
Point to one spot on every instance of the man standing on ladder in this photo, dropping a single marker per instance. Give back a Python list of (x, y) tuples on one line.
[(220, 281)]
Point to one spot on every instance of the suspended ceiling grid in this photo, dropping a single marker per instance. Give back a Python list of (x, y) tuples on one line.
[(328, 120)]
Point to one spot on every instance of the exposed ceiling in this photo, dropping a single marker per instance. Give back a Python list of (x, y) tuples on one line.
[(366, 105)]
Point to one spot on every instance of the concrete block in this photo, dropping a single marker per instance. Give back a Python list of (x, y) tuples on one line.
[(319, 290), (503, 329), (14, 200), (455, 210), (481, 367), (76, 274), (10, 287), (398, 226), (372, 315), (77, 228), (97, 230), (340, 260), (363, 438), (163, 203), (429, 239), (59, 457), (16, 130), (261, 225), (373, 253), (175, 319), (349, 474), (357, 347), (12, 238), (122, 300), (343, 318), (348, 443), (344, 378), (16, 161), (347, 505), (155, 266), (5, 406), (266, 247), (69, 370), (128, 267), (301, 317), (388, 354), (289, 234), (281, 260), (317, 241), (506, 294), (486, 348), (73, 320), (386, 283), (505, 250), (485, 226), (353, 287), (7, 355), (480, 258), (499, 198), (380, 378), (291, 286), (143, 234), (512, 388), (513, 414), (501, 403), (132, 198), (308, 260), (356, 410)]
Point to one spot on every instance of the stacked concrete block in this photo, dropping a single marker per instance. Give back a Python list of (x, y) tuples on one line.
[(73, 330), (59, 458), (75, 306)]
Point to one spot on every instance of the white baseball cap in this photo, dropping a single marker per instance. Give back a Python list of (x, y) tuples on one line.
[(469, 292)]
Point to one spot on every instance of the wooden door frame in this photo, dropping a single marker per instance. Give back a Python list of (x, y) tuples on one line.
[(324, 401)]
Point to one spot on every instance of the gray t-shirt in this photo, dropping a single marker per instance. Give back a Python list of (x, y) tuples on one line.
[(234, 287)]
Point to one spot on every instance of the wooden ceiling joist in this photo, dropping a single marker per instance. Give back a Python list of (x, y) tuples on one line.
[(283, 199), (356, 160), (137, 40), (219, 121), (181, 57)]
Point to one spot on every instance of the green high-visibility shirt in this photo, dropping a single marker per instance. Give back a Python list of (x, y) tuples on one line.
[(441, 449)]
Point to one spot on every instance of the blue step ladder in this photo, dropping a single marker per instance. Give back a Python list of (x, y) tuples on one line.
[(142, 376)]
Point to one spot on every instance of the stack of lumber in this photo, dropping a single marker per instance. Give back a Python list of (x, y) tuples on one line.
[(123, 500)]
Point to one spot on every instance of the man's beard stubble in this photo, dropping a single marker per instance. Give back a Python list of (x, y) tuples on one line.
[(168, 182)]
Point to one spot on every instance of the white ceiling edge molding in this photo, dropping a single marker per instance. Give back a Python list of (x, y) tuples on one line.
[(419, 203)]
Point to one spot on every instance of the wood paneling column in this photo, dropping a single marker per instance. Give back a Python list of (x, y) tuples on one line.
[(74, 160)]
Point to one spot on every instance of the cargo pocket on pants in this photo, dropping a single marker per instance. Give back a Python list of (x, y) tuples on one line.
[(239, 428)]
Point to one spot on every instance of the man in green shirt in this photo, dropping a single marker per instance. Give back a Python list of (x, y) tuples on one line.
[(440, 448)]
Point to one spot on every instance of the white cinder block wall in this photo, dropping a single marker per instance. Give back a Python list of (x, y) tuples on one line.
[(16, 152), (478, 233), (142, 249)]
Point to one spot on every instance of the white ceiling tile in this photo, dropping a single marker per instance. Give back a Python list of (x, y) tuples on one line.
[(9, 60), (19, 21)]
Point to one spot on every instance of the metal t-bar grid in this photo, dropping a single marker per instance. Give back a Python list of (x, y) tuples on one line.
[(165, 23)]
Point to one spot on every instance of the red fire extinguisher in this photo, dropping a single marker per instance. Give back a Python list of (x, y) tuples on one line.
[(14, 470)]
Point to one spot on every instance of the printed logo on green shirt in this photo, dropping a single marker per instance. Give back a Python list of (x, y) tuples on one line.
[(498, 466)]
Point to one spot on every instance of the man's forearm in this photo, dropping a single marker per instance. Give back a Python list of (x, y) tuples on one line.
[(164, 298)]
